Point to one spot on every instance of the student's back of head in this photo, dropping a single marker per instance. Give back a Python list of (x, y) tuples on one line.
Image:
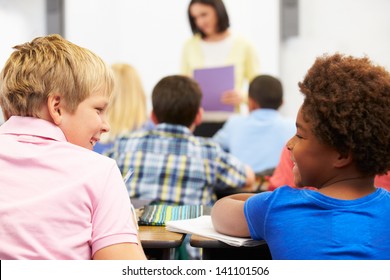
[(127, 110), (266, 91), (176, 100)]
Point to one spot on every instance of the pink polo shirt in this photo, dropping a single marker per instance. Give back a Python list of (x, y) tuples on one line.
[(57, 200)]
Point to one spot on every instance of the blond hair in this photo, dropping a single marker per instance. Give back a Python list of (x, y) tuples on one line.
[(51, 65), (127, 110)]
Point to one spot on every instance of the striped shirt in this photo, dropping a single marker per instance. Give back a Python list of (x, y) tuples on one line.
[(171, 165)]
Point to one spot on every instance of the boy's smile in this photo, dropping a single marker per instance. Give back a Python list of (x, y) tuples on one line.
[(312, 159), (85, 126)]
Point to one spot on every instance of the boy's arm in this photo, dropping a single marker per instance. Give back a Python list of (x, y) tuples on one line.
[(250, 182), (228, 215)]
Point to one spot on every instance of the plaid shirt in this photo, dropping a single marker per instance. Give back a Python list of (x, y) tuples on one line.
[(173, 166)]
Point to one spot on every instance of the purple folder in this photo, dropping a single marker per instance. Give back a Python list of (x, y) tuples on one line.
[(213, 83)]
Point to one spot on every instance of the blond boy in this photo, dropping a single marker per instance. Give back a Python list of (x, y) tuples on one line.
[(58, 199)]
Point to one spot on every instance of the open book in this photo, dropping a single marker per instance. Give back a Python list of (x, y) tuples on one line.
[(203, 226)]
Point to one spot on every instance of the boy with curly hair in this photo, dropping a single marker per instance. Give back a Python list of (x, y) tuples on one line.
[(342, 142), (59, 200)]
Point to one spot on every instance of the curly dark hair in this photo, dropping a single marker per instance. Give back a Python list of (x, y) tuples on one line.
[(347, 102)]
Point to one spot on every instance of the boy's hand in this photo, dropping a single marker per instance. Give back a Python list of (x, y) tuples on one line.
[(232, 97)]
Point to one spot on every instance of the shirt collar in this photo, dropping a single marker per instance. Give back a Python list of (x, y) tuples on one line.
[(173, 128), (32, 126), (264, 113)]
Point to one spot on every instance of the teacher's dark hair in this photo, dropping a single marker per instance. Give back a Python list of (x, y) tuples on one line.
[(222, 15)]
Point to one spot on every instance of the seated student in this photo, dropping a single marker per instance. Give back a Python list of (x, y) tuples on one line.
[(283, 174), (170, 164), (342, 142), (59, 200), (258, 139), (383, 181), (127, 110)]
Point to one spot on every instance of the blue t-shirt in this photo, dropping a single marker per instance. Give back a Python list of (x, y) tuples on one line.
[(305, 224), (257, 139)]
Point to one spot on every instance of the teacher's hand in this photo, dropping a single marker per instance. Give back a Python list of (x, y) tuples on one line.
[(232, 97)]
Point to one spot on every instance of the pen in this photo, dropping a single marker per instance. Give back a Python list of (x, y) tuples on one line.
[(128, 175), (134, 215)]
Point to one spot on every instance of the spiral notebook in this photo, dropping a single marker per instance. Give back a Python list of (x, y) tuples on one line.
[(158, 215)]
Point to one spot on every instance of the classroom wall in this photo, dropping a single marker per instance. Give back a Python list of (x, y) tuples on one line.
[(356, 27), (150, 34), (20, 20)]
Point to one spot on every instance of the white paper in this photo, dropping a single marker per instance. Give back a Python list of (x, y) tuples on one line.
[(203, 226)]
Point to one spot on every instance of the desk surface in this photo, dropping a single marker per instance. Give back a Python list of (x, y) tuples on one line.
[(159, 237)]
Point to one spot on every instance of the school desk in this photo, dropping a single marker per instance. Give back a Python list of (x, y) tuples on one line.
[(216, 250), (159, 243)]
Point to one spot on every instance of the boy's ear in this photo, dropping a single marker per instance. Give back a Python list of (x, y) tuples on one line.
[(252, 105), (6, 115), (343, 160), (154, 118), (199, 117), (54, 108)]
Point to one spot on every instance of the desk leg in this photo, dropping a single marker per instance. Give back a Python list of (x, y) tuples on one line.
[(160, 254), (244, 253)]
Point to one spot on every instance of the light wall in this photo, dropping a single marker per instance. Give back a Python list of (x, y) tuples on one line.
[(355, 27), (149, 34), (20, 21)]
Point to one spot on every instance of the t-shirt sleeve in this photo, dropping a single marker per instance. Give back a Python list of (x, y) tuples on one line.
[(112, 221), (256, 210)]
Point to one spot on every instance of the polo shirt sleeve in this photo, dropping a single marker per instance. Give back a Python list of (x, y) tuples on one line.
[(112, 221)]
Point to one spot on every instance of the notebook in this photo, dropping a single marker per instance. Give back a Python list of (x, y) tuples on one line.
[(158, 215)]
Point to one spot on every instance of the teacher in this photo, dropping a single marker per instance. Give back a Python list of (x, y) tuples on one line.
[(214, 45)]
